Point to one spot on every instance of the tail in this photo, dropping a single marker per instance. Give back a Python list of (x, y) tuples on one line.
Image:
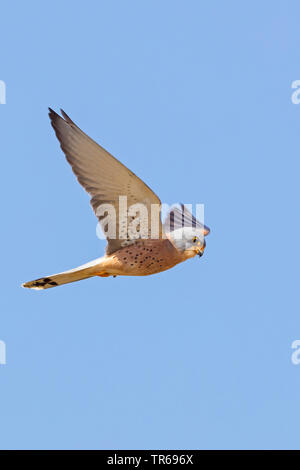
[(82, 272)]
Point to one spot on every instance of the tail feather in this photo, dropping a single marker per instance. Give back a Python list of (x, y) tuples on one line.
[(82, 272)]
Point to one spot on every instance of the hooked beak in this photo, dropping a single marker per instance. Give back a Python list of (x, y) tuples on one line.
[(201, 250)]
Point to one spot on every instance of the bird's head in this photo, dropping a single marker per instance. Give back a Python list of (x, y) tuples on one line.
[(190, 241)]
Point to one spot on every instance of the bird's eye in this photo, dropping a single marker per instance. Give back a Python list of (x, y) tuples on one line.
[(195, 239)]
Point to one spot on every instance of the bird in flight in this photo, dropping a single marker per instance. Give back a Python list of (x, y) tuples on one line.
[(106, 179)]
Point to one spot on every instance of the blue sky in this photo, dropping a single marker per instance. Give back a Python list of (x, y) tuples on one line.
[(195, 98)]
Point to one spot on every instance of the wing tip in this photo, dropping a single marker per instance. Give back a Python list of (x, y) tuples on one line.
[(66, 117), (54, 116), (206, 230)]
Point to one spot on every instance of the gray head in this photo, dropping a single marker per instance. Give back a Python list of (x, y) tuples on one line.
[(189, 240), (186, 232)]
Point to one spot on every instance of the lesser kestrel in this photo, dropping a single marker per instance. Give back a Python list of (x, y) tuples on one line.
[(106, 179)]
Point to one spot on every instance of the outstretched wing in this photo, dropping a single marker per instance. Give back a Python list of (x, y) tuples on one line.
[(102, 176), (179, 217)]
